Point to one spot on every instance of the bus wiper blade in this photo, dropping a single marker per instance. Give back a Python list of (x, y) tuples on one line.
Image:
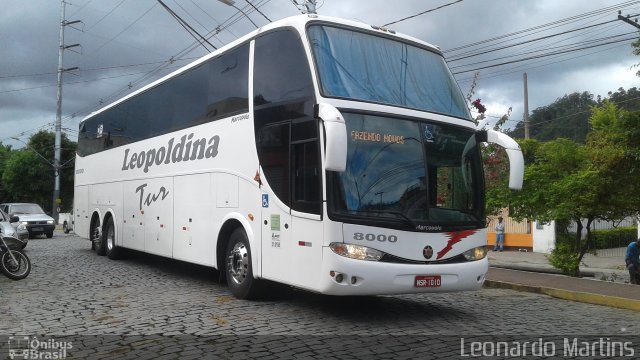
[(403, 216)]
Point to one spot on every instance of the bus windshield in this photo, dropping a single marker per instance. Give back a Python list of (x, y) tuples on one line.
[(417, 174), (360, 66)]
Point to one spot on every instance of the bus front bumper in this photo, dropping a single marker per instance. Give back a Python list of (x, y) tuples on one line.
[(344, 276)]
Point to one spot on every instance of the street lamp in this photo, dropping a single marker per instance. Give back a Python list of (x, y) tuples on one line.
[(232, 4)]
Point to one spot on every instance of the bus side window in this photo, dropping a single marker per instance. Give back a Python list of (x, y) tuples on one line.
[(305, 167), (273, 149), (286, 130)]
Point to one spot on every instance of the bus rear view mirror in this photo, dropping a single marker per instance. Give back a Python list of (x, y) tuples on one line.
[(336, 137), (516, 160)]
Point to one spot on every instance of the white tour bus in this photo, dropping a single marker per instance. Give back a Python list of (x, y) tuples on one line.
[(325, 154)]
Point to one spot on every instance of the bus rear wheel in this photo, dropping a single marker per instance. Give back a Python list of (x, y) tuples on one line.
[(109, 233), (97, 240), (239, 272)]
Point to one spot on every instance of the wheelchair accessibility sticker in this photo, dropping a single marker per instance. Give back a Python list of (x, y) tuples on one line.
[(265, 200)]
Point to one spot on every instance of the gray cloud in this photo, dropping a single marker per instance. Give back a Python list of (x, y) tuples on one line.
[(29, 43)]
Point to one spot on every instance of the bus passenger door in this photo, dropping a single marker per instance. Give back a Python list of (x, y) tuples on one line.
[(273, 145), (292, 227), (306, 203)]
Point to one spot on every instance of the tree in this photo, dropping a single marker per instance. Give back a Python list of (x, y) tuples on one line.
[(560, 184), (567, 117), (28, 177), (615, 147), (636, 51), (5, 153), (567, 181)]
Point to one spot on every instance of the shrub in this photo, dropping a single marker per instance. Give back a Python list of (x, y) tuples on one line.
[(564, 258), (614, 238)]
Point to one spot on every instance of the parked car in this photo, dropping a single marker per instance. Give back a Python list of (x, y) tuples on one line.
[(32, 216), (14, 229), (66, 220)]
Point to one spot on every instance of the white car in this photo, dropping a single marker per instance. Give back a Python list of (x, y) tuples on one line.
[(13, 229), (32, 216), (66, 220)]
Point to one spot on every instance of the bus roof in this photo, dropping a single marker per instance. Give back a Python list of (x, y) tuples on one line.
[(299, 22)]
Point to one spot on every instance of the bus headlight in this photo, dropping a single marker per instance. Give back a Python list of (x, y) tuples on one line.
[(357, 252), (476, 253)]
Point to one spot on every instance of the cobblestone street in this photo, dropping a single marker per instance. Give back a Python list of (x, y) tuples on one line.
[(73, 292)]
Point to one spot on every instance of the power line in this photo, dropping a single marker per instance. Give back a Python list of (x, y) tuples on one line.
[(529, 68), (550, 24), (77, 82), (422, 13), (106, 15), (530, 41), (258, 10), (574, 45), (126, 28), (223, 26), (199, 38), (101, 68), (543, 55)]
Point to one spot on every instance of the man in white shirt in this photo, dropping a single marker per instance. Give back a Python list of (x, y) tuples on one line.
[(499, 235)]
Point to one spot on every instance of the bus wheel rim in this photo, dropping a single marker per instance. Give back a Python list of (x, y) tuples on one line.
[(238, 263)]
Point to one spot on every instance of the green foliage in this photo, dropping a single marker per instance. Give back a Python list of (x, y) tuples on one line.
[(568, 117), (572, 181), (5, 153), (605, 116), (558, 183), (564, 258), (27, 178), (27, 174), (636, 51), (614, 238)]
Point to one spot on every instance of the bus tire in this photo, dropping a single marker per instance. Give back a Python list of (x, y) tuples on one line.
[(109, 234), (97, 239), (65, 228), (239, 271)]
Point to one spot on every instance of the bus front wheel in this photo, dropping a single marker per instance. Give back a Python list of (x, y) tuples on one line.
[(239, 271)]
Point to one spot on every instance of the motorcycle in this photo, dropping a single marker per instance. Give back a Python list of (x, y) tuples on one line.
[(13, 262)]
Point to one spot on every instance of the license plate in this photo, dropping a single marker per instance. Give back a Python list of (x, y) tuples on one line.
[(36, 229), (423, 281)]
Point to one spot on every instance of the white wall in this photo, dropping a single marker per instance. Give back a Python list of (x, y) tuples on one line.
[(544, 237)]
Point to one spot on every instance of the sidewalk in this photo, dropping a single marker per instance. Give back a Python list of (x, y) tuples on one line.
[(603, 284)]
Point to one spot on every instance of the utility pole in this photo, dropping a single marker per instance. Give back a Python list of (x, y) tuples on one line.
[(58, 141), (627, 19), (526, 107)]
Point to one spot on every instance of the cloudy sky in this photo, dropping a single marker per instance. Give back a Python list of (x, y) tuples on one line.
[(564, 46)]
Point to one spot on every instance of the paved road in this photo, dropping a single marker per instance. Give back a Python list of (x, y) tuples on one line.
[(72, 291)]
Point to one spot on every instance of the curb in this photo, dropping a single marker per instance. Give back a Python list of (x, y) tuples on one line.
[(589, 298), (587, 273)]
